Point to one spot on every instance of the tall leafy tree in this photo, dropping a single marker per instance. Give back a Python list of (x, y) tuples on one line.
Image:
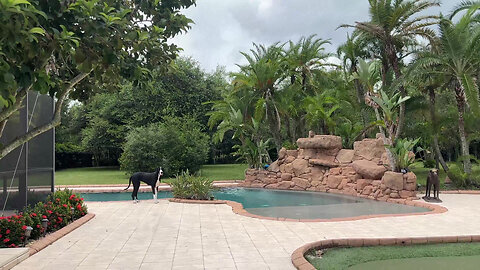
[(429, 83), (67, 48), (351, 52), (396, 26), (262, 75), (306, 57), (458, 62)]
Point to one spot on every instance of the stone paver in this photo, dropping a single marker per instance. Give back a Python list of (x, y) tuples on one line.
[(190, 236), (9, 257)]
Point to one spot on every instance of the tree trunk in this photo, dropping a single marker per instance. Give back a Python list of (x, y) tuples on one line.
[(379, 118), (438, 154), (460, 97), (360, 95), (56, 120), (273, 124), (3, 124), (387, 141), (288, 128), (391, 157), (393, 59)]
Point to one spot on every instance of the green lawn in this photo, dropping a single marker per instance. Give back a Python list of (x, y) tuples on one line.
[(344, 258), (224, 171), (112, 175), (422, 173)]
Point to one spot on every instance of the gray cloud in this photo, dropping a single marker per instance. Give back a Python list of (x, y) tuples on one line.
[(223, 28)]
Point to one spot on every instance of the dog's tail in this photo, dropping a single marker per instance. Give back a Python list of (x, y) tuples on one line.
[(129, 182)]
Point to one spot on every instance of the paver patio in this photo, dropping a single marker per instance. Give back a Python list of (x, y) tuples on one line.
[(189, 236)]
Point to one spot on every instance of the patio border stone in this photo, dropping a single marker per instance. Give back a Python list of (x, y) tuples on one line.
[(52, 237), (237, 208), (299, 261), (460, 191)]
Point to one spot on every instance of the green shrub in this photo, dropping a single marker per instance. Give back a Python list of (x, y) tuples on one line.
[(187, 186), (57, 209), (458, 177), (429, 163), (176, 145), (289, 145), (401, 150), (67, 148), (461, 179)]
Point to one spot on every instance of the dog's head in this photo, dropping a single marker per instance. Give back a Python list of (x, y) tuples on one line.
[(434, 171), (159, 172)]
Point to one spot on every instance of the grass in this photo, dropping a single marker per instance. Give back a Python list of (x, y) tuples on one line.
[(224, 171), (343, 258), (421, 172), (112, 175)]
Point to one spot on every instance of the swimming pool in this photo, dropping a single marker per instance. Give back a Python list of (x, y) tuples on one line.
[(286, 204)]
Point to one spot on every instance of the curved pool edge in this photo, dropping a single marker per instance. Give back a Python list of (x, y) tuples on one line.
[(299, 261), (238, 209)]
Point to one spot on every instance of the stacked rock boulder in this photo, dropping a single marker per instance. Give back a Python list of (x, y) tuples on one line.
[(320, 164)]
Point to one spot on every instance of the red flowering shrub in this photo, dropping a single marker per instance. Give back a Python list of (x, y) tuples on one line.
[(60, 208)]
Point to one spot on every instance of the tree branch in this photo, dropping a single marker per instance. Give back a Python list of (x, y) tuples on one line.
[(3, 124), (56, 120), (19, 97)]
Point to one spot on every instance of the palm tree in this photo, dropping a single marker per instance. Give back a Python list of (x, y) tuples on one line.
[(368, 75), (429, 83), (458, 62), (396, 26), (305, 57), (262, 75), (320, 111), (350, 52), (466, 5), (292, 114)]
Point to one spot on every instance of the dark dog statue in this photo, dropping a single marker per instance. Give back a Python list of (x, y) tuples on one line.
[(432, 180), (152, 179)]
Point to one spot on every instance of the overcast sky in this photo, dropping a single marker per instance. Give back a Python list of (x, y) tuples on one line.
[(223, 28)]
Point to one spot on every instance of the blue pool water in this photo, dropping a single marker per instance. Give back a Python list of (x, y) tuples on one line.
[(287, 204)]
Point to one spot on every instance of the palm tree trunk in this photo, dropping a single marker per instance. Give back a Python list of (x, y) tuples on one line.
[(274, 129), (379, 118), (438, 154), (386, 141), (460, 97), (393, 59), (288, 128), (360, 95)]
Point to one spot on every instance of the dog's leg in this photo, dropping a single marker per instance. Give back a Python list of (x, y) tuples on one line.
[(136, 186), (154, 192)]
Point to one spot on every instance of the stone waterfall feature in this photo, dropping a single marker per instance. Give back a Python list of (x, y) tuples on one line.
[(320, 164)]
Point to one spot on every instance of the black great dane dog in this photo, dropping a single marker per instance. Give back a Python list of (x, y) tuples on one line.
[(152, 179)]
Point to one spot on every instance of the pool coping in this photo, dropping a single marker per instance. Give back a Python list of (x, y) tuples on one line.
[(299, 261), (238, 209), (143, 188)]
